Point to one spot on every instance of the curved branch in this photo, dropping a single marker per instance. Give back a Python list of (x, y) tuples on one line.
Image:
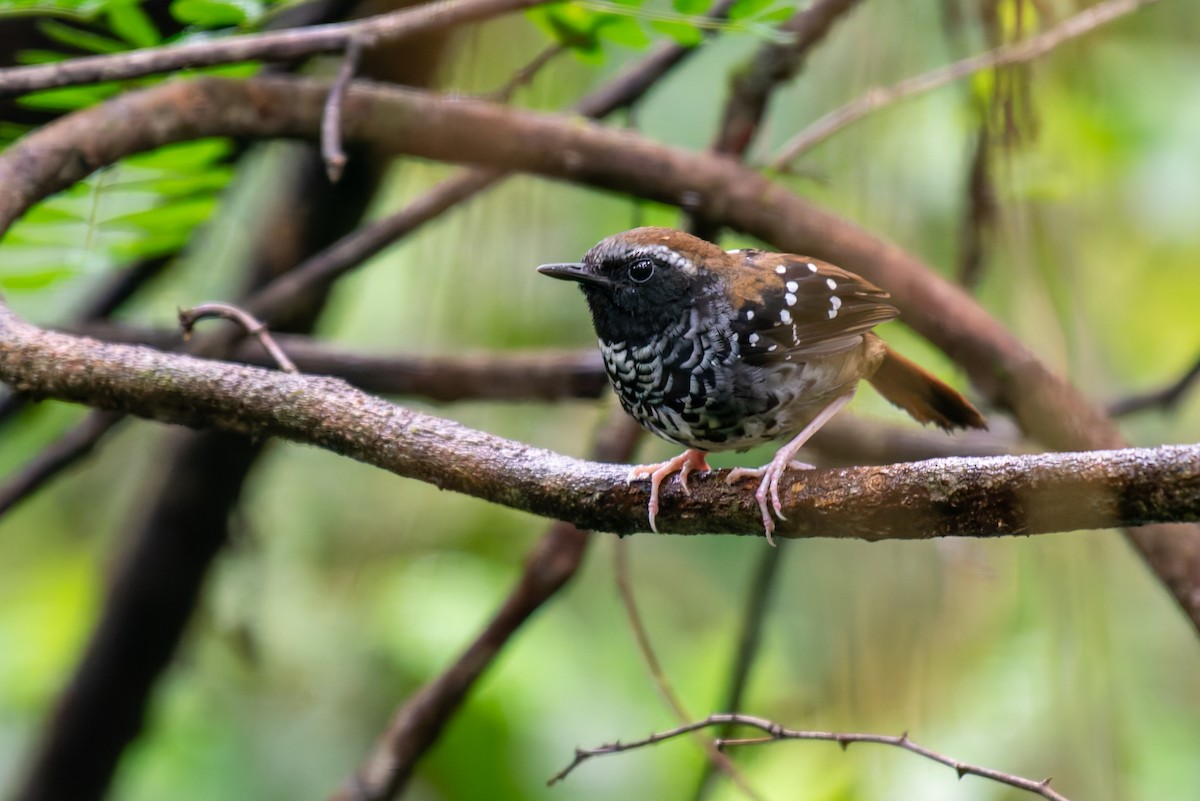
[(273, 46), (1047, 407), (967, 497)]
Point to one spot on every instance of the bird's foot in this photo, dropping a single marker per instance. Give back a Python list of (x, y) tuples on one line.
[(768, 487), (685, 463)]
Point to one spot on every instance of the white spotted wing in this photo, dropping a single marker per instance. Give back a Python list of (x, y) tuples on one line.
[(796, 308)]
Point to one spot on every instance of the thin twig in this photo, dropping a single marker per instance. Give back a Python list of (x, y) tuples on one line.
[(275, 46), (331, 124), (1166, 398), (53, 458), (525, 75), (776, 732), (227, 311), (661, 681), (979, 214), (1073, 27)]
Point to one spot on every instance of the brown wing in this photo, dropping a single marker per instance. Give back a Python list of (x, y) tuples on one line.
[(801, 307)]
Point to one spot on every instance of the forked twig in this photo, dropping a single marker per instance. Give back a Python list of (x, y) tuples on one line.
[(525, 75), (1165, 398), (775, 732), (1073, 27), (331, 123), (227, 311)]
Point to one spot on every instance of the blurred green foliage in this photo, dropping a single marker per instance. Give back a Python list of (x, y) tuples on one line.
[(348, 588)]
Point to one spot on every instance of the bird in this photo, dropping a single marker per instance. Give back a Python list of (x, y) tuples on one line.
[(720, 350)]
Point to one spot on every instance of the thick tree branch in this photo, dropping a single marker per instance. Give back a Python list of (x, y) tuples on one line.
[(968, 497), (1047, 408)]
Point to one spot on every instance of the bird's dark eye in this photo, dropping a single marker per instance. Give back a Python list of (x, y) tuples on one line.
[(641, 270)]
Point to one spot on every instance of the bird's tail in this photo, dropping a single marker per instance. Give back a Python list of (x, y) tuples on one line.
[(923, 395)]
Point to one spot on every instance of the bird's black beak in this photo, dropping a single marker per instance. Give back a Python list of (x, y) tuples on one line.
[(576, 271)]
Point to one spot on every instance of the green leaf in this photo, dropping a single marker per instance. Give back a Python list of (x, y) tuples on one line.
[(776, 15), (213, 179), (749, 9), (34, 279), (69, 98), (690, 7), (180, 215), (624, 31), (570, 25), (34, 56), (150, 243), (183, 156), (46, 214), (84, 40), (132, 24), (684, 33), (209, 13)]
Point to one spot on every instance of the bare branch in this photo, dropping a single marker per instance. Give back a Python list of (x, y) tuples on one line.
[(331, 123), (275, 46), (1166, 398), (975, 497), (775, 732), (66, 450), (526, 74), (1035, 47), (227, 311)]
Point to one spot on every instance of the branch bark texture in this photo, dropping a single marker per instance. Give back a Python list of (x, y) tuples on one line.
[(1046, 407), (968, 497)]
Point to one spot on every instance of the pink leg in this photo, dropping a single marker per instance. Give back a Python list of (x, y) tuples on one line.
[(773, 472), (686, 462)]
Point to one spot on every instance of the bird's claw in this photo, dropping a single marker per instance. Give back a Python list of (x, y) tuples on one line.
[(768, 488), (685, 464)]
